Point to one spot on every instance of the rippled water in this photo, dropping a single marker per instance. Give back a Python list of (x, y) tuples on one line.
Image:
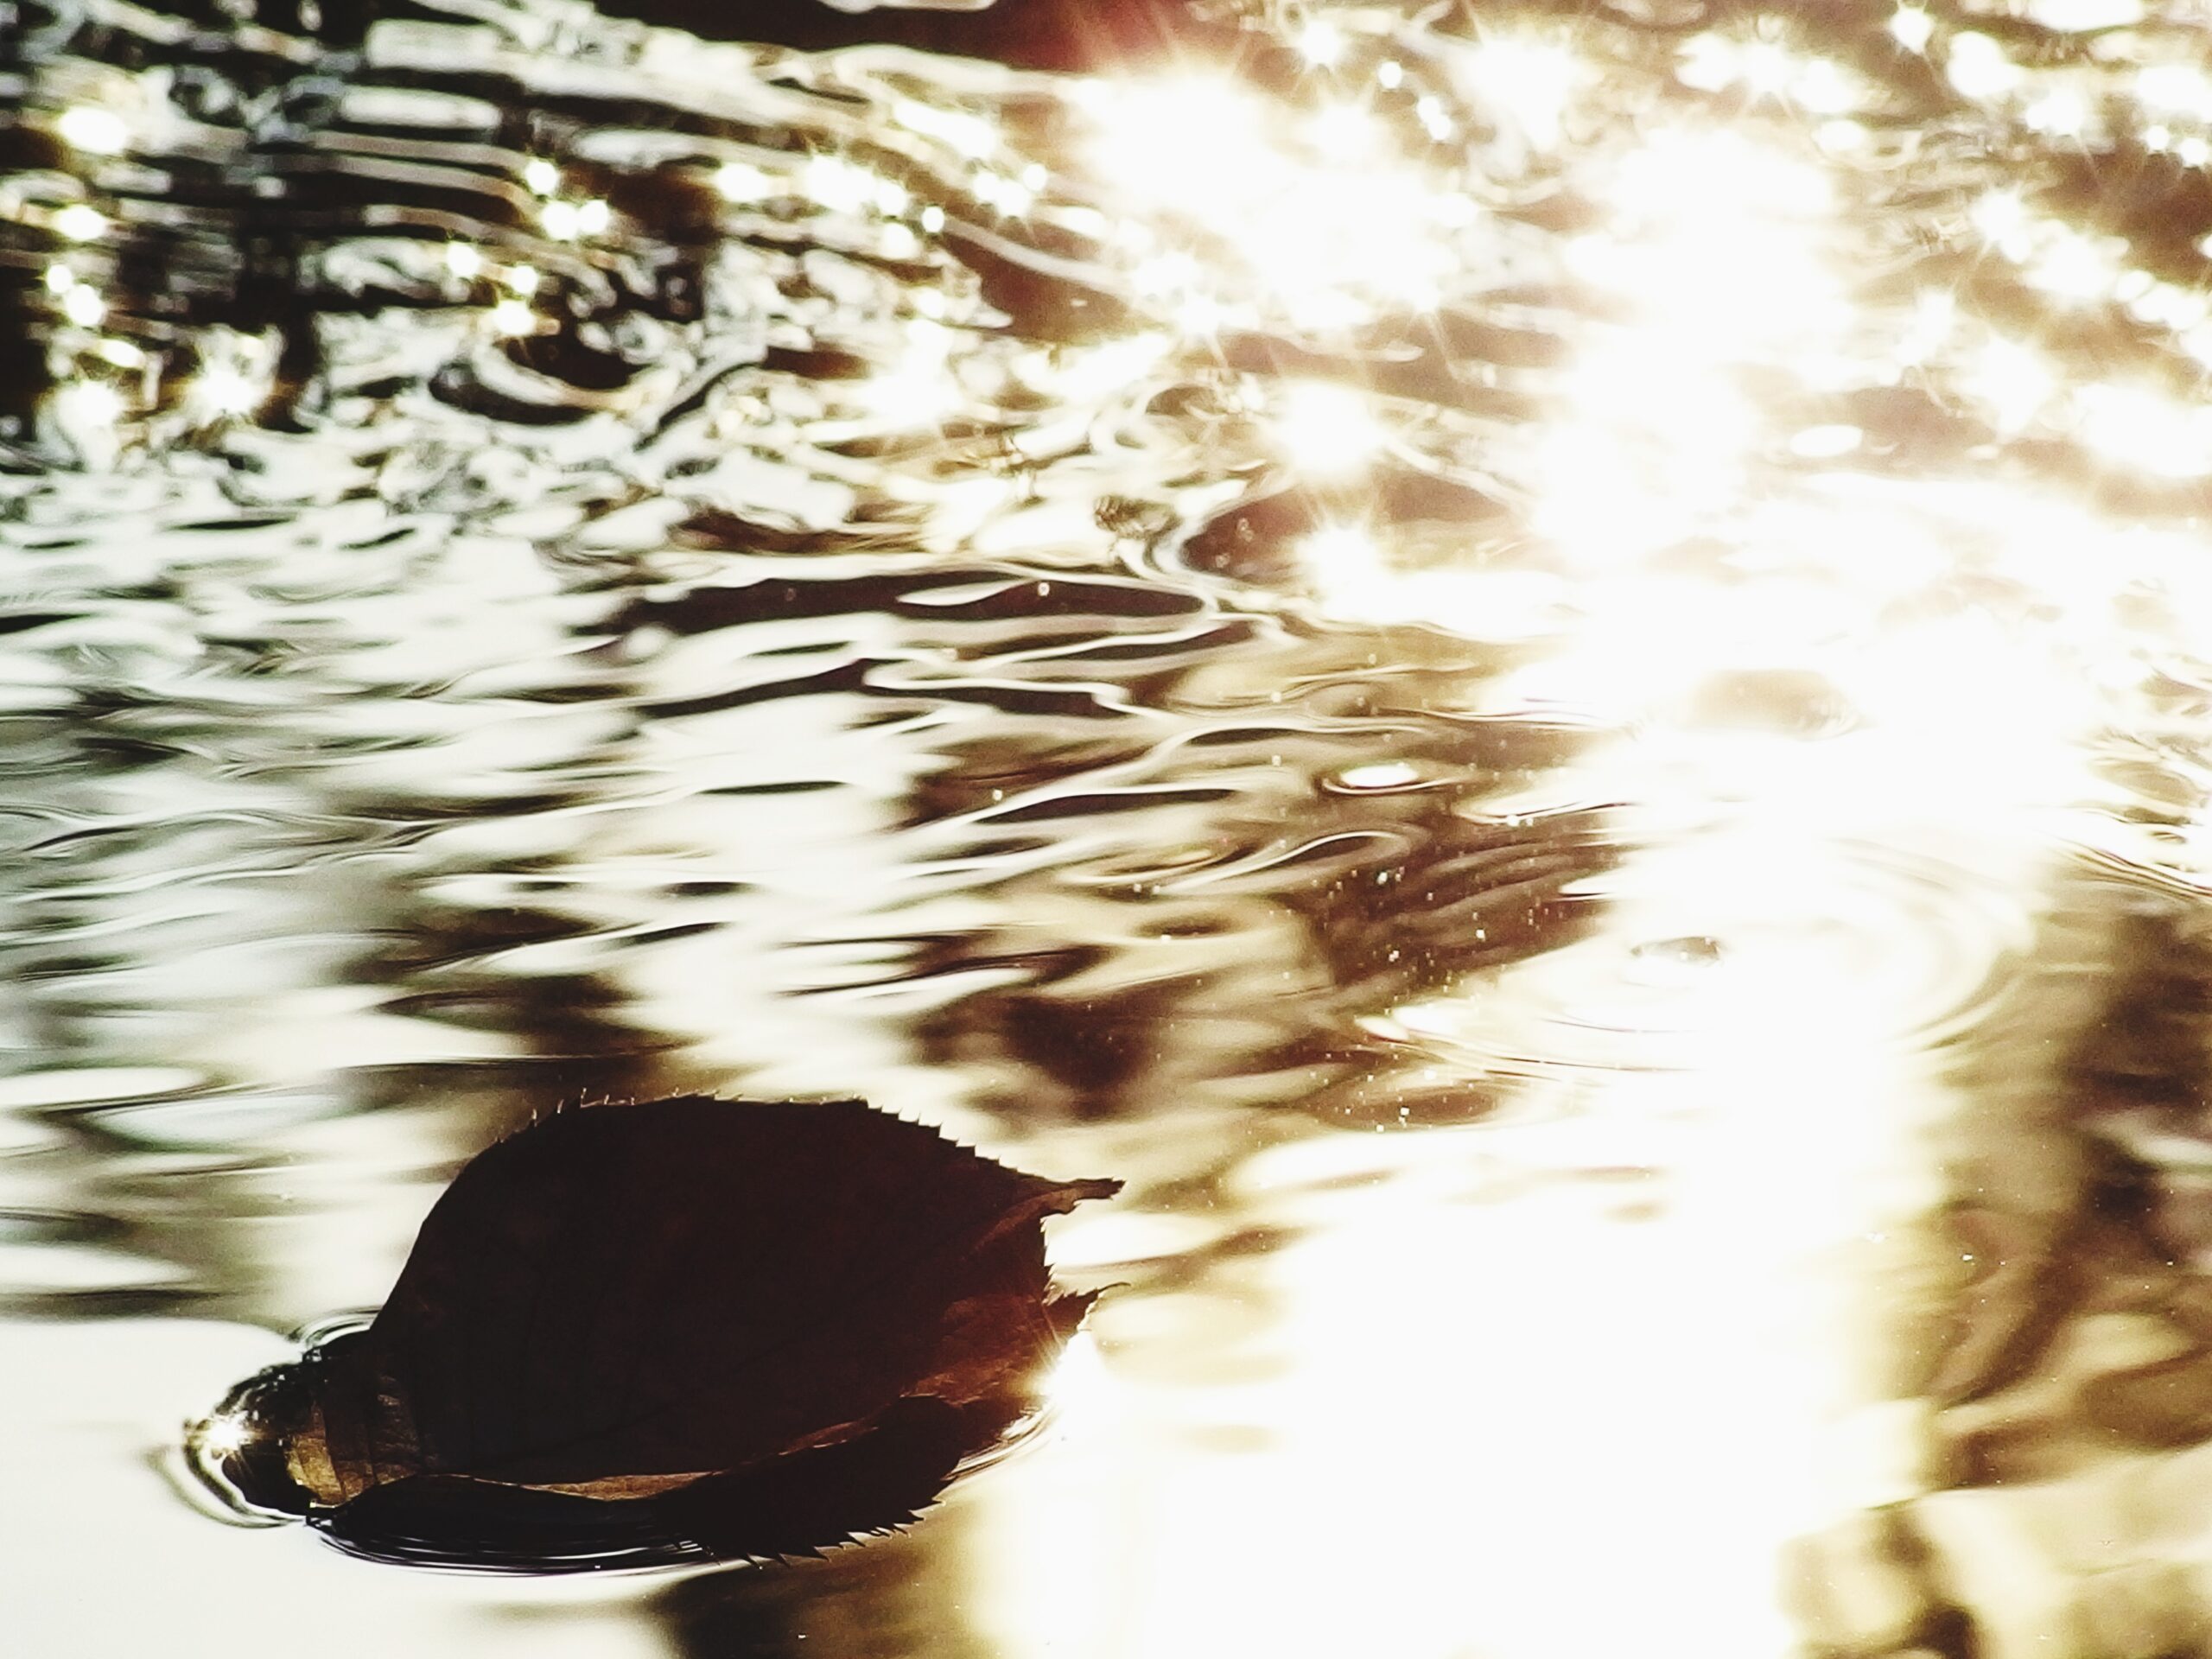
[(1549, 673)]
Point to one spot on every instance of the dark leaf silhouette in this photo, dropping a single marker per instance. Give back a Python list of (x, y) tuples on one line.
[(678, 1330)]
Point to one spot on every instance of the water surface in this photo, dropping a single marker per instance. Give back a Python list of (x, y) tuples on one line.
[(1546, 673)]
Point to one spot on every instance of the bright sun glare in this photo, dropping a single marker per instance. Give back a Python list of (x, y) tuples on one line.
[(1699, 407)]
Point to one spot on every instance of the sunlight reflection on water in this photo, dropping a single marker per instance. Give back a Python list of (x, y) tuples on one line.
[(1547, 675)]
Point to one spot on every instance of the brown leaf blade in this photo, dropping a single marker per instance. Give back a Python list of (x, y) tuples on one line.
[(680, 1328)]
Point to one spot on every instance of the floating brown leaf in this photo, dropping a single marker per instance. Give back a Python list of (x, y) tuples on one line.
[(680, 1329)]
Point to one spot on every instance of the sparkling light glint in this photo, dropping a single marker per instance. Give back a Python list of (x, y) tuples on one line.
[(83, 305), (510, 318), (1912, 27), (93, 130), (1981, 69), (79, 223), (1321, 43), (1329, 431), (741, 182), (233, 378)]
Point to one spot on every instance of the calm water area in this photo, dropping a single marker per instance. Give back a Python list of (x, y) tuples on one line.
[(1546, 668)]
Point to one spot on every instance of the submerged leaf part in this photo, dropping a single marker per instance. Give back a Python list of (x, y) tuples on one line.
[(679, 1330)]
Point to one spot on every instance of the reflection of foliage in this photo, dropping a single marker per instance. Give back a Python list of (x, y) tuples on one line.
[(1231, 904)]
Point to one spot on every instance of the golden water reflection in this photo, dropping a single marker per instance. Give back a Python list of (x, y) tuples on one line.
[(1692, 1347), (1637, 943)]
